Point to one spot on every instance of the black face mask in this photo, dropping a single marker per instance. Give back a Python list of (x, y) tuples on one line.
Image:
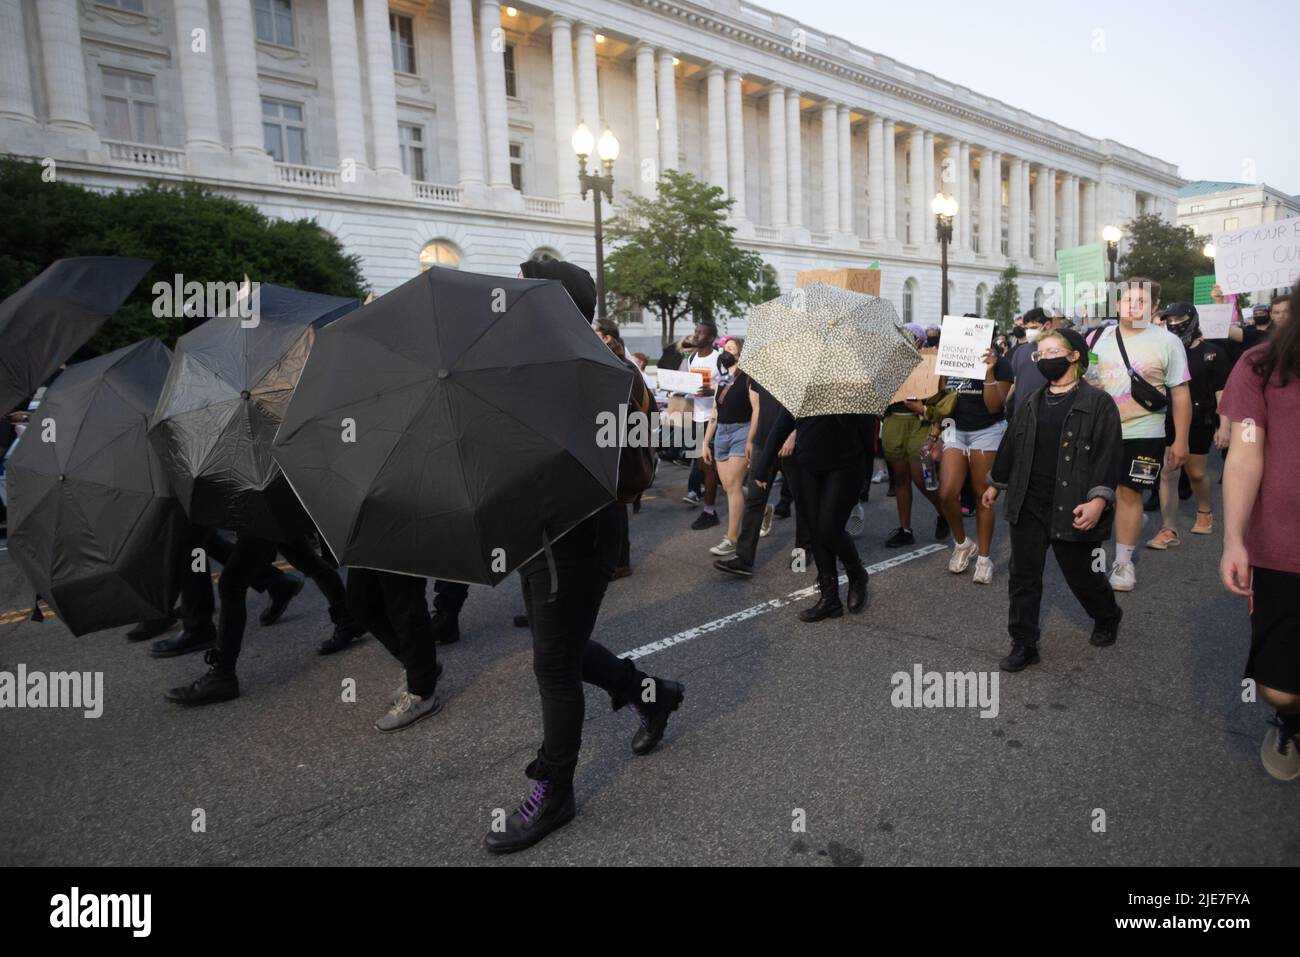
[(931, 340), (1189, 330), (1053, 368)]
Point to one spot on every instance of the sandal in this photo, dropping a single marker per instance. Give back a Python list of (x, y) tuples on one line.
[(1205, 529), (1165, 538)]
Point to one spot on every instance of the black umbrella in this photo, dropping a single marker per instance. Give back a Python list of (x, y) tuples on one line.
[(222, 402), (450, 428), (93, 521), (50, 318)]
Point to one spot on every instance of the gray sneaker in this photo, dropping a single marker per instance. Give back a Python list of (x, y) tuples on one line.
[(765, 529), (407, 710)]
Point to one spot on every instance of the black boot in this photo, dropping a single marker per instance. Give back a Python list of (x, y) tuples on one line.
[(150, 629), (828, 605), (1023, 654), (1104, 633), (217, 684), (654, 715), (200, 639), (345, 633), (446, 627), (858, 597), (547, 808), (282, 592)]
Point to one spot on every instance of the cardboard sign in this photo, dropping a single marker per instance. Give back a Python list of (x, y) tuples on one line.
[(1215, 318), (1258, 257), (923, 382), (962, 344), (865, 281), (671, 380), (1082, 272)]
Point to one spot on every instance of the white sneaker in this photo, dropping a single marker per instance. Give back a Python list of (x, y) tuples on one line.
[(880, 476), (766, 527), (692, 498), (1281, 758), (857, 520), (983, 571), (961, 556), (407, 710), (1123, 577), (724, 548)]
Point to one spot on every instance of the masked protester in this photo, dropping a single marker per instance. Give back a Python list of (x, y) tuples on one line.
[(1058, 467)]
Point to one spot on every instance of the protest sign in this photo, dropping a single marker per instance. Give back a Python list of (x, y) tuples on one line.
[(1202, 289), (1215, 319), (962, 344), (670, 380), (922, 383), (1258, 257), (1082, 273)]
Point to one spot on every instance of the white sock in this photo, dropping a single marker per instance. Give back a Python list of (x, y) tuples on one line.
[(1124, 553)]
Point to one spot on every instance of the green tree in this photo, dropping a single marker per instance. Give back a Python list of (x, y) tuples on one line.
[(675, 255), (1004, 300), (1171, 255), (185, 229)]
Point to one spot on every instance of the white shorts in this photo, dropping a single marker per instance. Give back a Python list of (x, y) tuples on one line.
[(981, 440)]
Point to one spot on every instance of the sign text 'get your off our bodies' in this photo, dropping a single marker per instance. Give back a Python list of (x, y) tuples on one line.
[(1258, 257)]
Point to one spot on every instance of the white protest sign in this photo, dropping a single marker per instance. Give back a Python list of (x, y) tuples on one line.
[(670, 380), (962, 344), (1215, 319), (1258, 257)]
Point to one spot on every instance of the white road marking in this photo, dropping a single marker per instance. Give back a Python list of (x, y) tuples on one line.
[(755, 610)]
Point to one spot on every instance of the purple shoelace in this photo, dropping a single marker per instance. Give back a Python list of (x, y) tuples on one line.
[(528, 810)]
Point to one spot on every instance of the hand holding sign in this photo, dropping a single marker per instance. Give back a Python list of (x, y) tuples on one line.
[(963, 346)]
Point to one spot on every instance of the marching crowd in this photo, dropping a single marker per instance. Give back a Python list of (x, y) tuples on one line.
[(1069, 428)]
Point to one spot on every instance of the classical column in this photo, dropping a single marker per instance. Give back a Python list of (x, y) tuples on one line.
[(1049, 213), (794, 157), (199, 75), (889, 155), (464, 79), (667, 111), (776, 158), (15, 81), (1089, 214), (964, 212), (736, 143), (997, 203), (876, 177), (830, 168), (716, 92), (1071, 210), (1015, 238), (65, 70), (846, 171), (931, 236), (588, 88), (565, 107), (918, 208), (647, 135), (383, 91), (986, 203), (239, 52)]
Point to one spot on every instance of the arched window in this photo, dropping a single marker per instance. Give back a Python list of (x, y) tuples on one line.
[(439, 252), (545, 254), (909, 300), (981, 298), (1038, 298), (952, 294)]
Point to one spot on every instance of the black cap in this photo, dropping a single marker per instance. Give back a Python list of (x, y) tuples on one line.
[(1179, 309), (1077, 344)]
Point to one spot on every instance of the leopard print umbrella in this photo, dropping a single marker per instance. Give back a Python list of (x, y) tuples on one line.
[(822, 350)]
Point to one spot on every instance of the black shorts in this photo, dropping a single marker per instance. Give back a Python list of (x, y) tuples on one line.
[(1143, 459), (1275, 630), (1200, 438)]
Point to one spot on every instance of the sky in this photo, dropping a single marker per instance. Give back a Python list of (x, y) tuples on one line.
[(1208, 86)]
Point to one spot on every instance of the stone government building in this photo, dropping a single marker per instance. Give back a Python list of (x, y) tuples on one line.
[(427, 132)]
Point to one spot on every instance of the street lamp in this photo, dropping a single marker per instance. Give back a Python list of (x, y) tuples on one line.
[(1208, 251), (1112, 235), (944, 208), (597, 185)]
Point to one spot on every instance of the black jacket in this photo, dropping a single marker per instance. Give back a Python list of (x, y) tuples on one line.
[(1088, 463), (825, 442)]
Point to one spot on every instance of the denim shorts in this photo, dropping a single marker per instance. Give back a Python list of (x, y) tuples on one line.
[(729, 440), (982, 440)]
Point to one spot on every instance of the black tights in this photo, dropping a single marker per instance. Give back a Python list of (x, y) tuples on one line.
[(827, 498)]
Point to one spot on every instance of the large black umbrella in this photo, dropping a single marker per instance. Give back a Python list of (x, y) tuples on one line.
[(451, 428), (50, 318), (222, 402), (93, 521)]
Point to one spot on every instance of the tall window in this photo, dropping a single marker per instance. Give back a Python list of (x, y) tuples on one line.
[(1232, 203), (981, 298), (402, 31), (909, 300), (1038, 298), (283, 132), (440, 252), (130, 108), (411, 138), (508, 57), (517, 166), (1231, 222), (274, 20)]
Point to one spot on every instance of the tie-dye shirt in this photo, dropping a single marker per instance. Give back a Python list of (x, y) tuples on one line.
[(1155, 354)]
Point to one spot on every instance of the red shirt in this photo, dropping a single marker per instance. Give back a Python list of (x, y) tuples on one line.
[(1273, 539)]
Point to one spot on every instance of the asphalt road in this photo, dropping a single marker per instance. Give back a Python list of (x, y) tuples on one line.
[(783, 723)]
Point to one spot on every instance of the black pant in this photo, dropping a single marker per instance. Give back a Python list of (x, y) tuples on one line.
[(197, 603), (449, 597), (624, 537), (751, 522), (827, 498), (562, 624), (1030, 539), (395, 610)]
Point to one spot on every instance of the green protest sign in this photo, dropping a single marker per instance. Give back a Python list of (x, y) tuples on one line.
[(1201, 287), (1082, 272)]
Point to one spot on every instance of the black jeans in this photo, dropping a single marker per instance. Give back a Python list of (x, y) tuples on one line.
[(624, 537), (1030, 539), (449, 597), (395, 610), (562, 625), (197, 604), (751, 522), (827, 498)]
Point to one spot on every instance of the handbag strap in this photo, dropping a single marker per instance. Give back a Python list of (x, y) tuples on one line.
[(1123, 352)]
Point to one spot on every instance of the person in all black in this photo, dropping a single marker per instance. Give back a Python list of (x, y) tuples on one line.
[(832, 453), (1208, 365), (1059, 465), (563, 589)]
